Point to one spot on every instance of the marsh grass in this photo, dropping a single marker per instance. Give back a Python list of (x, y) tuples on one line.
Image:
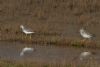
[(51, 39), (20, 63), (47, 19)]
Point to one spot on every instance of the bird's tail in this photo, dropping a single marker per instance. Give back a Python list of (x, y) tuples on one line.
[(93, 35)]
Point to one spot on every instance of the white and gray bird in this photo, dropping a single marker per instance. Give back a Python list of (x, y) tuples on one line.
[(26, 30), (26, 49), (85, 55), (85, 34)]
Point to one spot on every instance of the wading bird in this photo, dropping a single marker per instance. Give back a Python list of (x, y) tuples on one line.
[(85, 34), (26, 49), (26, 31)]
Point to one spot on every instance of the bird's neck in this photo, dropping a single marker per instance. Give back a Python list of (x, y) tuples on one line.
[(22, 27)]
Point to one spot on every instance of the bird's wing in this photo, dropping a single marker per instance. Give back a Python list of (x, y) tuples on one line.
[(29, 30), (87, 33)]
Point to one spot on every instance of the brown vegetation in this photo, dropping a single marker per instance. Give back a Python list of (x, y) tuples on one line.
[(8, 63), (51, 20)]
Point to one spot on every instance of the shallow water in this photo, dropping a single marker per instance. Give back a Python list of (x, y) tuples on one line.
[(11, 50)]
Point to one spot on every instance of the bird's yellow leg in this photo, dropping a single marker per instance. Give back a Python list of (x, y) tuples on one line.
[(25, 36), (90, 40), (30, 37), (22, 36), (82, 41)]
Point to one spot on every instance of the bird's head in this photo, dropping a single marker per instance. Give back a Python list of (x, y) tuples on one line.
[(82, 30), (21, 26)]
